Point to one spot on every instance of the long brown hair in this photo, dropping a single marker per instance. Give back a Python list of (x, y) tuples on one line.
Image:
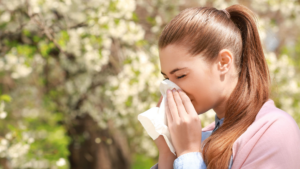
[(208, 30)]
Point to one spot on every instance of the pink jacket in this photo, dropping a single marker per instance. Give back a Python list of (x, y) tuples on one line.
[(272, 141)]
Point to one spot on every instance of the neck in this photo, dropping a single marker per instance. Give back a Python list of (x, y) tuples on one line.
[(220, 108)]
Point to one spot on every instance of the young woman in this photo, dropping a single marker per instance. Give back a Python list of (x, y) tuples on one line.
[(216, 58)]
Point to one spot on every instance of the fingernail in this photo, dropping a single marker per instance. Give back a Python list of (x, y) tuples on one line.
[(179, 90), (174, 90), (168, 91)]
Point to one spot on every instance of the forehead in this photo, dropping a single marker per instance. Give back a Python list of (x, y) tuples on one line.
[(175, 56)]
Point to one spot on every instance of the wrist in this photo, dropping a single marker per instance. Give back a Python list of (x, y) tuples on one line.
[(166, 160), (165, 152), (161, 143), (167, 156)]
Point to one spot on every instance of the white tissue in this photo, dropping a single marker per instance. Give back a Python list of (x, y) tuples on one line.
[(154, 120)]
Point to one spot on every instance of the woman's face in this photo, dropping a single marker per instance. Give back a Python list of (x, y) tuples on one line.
[(199, 79)]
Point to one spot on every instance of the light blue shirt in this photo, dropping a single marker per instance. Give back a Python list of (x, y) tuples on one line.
[(194, 160)]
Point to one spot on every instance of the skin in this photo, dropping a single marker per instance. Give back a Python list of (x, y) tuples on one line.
[(205, 85)]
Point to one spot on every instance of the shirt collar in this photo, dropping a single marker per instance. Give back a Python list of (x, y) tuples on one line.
[(219, 120)]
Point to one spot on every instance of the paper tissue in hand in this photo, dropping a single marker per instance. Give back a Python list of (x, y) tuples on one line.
[(154, 120)]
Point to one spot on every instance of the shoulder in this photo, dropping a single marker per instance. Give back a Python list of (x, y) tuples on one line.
[(269, 110), (275, 126), (273, 133), (270, 117)]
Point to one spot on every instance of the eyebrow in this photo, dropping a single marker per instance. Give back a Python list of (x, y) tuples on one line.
[(173, 71)]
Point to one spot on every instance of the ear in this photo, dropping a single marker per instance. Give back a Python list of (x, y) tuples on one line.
[(225, 61)]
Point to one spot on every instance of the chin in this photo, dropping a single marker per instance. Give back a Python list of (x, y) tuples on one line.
[(199, 113), (199, 110)]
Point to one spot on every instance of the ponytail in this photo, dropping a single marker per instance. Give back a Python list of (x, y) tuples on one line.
[(250, 93)]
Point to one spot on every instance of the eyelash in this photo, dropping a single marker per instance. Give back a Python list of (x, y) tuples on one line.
[(177, 77)]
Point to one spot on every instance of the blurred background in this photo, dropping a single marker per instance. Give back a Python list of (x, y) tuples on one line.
[(74, 75)]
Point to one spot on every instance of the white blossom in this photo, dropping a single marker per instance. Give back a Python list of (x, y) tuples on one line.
[(61, 162)]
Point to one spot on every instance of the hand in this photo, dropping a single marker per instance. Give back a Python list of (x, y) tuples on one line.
[(183, 122)]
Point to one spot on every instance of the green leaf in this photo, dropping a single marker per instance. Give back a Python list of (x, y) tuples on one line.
[(5, 97)]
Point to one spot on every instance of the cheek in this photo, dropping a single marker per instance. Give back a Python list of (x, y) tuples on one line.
[(203, 93)]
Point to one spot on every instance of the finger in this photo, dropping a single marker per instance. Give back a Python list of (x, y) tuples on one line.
[(172, 106), (180, 107), (187, 103)]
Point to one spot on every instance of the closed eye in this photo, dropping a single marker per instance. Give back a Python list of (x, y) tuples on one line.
[(180, 77), (177, 77)]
